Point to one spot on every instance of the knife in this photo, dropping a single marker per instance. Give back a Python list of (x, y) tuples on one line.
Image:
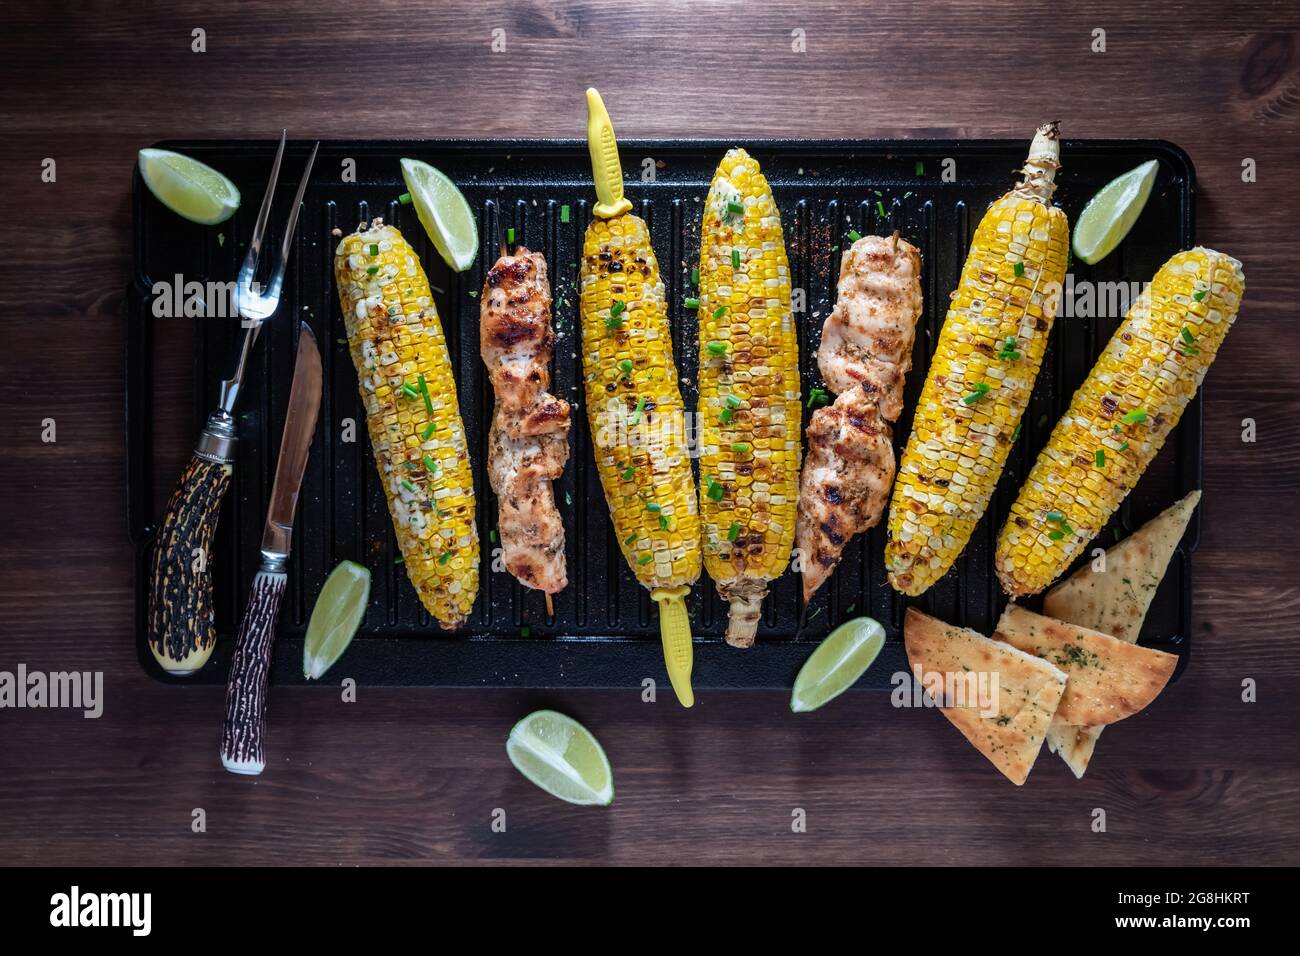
[(245, 721)]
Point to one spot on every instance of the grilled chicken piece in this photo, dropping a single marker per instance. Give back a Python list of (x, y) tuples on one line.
[(865, 353), (528, 443)]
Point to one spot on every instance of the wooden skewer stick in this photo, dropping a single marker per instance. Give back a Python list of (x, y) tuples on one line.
[(550, 607)]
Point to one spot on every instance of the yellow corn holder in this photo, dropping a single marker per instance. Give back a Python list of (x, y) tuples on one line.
[(634, 405)]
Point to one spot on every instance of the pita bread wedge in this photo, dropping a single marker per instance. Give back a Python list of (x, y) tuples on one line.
[(1115, 602), (1109, 678), (1010, 721)]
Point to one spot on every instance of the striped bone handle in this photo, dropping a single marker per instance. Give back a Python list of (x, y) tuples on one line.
[(181, 634), (245, 722)]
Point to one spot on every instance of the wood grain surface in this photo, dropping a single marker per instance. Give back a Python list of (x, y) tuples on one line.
[(415, 776)]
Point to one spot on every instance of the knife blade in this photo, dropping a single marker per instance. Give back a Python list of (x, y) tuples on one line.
[(244, 726), (295, 443)]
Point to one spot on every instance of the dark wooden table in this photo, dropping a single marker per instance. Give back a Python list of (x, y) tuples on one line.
[(415, 776)]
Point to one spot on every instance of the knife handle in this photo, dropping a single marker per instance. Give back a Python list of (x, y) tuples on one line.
[(181, 632), (245, 722)]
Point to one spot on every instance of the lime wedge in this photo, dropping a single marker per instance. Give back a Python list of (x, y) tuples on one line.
[(444, 213), (1110, 214), (335, 618), (187, 187), (562, 757), (837, 663)]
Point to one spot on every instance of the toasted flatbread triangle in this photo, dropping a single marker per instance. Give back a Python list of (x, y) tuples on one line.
[(1073, 744), (1019, 712), (1109, 679), (1116, 601), (1111, 603)]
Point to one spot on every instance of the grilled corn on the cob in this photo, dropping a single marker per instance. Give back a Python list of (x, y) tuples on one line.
[(982, 373), (749, 392), (1120, 417), (634, 405), (406, 385)]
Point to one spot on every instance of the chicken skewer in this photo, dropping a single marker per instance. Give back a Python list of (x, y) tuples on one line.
[(528, 443), (865, 353)]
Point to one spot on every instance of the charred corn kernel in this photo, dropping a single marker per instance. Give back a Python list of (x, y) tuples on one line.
[(634, 405), (749, 412), (397, 346), (973, 397), (1120, 417)]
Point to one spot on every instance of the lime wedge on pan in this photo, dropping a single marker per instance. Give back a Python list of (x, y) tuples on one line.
[(334, 620), (187, 187), (562, 757), (443, 212), (1110, 214), (837, 663)]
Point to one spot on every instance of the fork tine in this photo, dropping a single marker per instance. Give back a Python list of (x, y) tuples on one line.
[(255, 244), (297, 205)]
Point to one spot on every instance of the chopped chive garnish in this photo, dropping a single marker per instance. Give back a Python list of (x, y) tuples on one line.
[(408, 486), (854, 235), (692, 303), (732, 401), (636, 415), (1055, 516), (374, 249), (714, 491), (1200, 295), (444, 557), (1187, 335), (564, 213), (409, 390), (1056, 535), (720, 311), (908, 194), (628, 473), (424, 390), (1019, 269), (372, 270), (430, 465), (718, 348), (404, 199), (410, 464), (981, 389), (880, 208), (525, 631), (645, 559), (725, 417), (428, 431), (630, 539), (510, 235), (920, 168), (399, 560), (625, 366), (1124, 447), (816, 396), (1135, 417), (1016, 434), (695, 276), (734, 207), (740, 447), (617, 308), (492, 535), (1100, 457), (734, 531), (614, 323), (735, 258), (663, 522), (653, 506)]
